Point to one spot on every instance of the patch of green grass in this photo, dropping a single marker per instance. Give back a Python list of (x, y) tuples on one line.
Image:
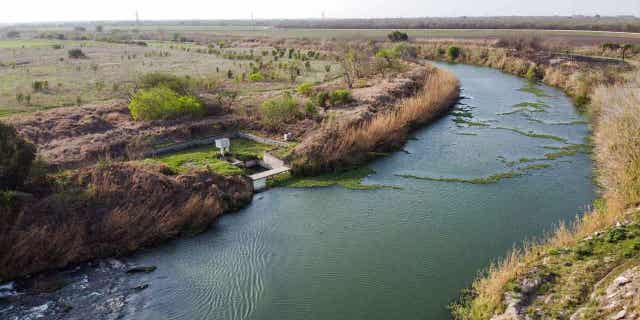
[(14, 44), (283, 151), (537, 106), (516, 111), (350, 179), (207, 156), (462, 114), (533, 89), (566, 151), (250, 148), (535, 135), (461, 121), (466, 134), (538, 166), (482, 180)]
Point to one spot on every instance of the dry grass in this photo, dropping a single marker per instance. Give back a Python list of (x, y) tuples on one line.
[(577, 79), (112, 209), (617, 140), (337, 146)]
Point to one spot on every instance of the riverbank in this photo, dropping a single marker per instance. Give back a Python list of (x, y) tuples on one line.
[(111, 209), (114, 208), (565, 274), (257, 263), (340, 145)]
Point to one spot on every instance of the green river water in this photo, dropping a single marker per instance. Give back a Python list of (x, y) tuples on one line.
[(402, 253)]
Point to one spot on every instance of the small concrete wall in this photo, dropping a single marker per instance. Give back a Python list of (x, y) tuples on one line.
[(259, 185), (183, 146), (212, 140), (260, 139)]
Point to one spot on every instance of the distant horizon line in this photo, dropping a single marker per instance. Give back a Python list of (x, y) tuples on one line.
[(6, 24)]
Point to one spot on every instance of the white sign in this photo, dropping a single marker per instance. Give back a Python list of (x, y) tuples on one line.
[(223, 145)]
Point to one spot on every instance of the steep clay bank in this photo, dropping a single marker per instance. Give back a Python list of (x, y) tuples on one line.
[(112, 209)]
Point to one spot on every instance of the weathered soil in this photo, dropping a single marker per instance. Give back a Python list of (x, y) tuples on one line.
[(111, 210), (78, 136)]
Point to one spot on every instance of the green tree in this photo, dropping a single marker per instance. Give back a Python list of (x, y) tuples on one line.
[(397, 36), (453, 52)]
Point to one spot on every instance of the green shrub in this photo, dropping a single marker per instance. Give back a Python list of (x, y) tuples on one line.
[(310, 109), (180, 85), (340, 96), (397, 36), (321, 99), (279, 110), (305, 89), (405, 51), (257, 76), (38, 85), (76, 54), (533, 74), (164, 103), (453, 52), (617, 234), (16, 157), (7, 199)]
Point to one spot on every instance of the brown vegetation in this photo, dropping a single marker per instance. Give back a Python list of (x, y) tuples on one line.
[(577, 75), (112, 209), (340, 145)]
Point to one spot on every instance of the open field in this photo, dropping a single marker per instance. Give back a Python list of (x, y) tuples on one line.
[(110, 70), (166, 32)]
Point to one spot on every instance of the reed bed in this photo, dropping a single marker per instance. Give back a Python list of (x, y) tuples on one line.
[(342, 145)]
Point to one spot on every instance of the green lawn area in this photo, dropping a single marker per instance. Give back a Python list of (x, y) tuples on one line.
[(350, 179), (9, 44), (202, 157)]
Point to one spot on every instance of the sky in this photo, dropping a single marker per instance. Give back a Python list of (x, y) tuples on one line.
[(88, 10)]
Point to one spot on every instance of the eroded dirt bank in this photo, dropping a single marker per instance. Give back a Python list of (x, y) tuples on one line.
[(110, 210)]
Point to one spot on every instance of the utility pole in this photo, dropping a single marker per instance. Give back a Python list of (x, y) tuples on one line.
[(137, 19)]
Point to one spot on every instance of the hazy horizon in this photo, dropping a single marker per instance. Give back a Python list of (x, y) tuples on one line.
[(121, 10)]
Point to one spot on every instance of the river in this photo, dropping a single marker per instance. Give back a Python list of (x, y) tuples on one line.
[(391, 253)]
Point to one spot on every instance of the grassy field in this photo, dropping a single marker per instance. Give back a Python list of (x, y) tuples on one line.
[(110, 69), (208, 156)]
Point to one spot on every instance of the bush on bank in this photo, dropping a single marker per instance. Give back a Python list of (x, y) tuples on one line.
[(279, 110), (339, 146), (16, 157), (162, 103)]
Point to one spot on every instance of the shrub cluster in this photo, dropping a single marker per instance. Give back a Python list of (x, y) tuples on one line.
[(76, 54), (164, 103), (339, 97), (279, 110), (180, 85), (398, 36), (16, 157), (453, 52), (305, 89)]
